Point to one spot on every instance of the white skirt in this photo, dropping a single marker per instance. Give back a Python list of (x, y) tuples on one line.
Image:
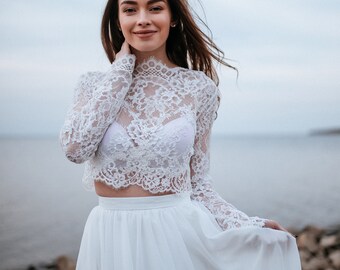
[(171, 232)]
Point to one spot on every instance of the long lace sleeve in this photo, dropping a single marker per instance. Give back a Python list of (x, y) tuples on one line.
[(97, 100), (226, 215)]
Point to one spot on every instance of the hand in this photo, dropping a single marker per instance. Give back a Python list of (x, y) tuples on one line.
[(125, 49), (274, 225)]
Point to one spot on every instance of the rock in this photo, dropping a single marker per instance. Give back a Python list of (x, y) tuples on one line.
[(304, 255), (335, 258), (315, 231), (316, 263), (307, 240), (319, 249), (65, 263), (328, 241)]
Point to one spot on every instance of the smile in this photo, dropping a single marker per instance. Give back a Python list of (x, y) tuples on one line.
[(144, 33)]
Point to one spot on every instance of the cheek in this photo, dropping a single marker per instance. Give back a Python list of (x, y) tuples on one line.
[(165, 25), (126, 32), (166, 34), (125, 25)]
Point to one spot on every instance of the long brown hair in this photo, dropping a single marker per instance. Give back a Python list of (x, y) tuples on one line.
[(187, 45)]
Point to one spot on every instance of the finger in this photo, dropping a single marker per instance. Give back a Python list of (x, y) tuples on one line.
[(282, 228), (279, 227), (125, 49), (126, 46), (274, 225)]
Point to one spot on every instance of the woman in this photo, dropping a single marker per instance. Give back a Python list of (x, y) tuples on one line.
[(143, 128)]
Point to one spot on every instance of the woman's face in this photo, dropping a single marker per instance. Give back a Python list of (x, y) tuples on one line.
[(145, 24)]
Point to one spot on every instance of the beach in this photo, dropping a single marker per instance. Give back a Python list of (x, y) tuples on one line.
[(43, 207)]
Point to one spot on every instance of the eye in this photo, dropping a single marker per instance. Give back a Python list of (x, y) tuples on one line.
[(129, 10), (156, 8)]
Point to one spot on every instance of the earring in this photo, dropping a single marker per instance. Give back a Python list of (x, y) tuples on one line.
[(173, 24)]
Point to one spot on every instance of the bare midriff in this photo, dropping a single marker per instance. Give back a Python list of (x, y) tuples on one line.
[(104, 190)]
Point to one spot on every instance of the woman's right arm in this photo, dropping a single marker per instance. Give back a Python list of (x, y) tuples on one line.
[(97, 100)]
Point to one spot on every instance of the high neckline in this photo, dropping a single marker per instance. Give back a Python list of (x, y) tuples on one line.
[(153, 65)]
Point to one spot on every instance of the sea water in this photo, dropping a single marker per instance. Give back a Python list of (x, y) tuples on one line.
[(43, 208)]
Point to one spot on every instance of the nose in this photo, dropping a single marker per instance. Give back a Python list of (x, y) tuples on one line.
[(143, 18)]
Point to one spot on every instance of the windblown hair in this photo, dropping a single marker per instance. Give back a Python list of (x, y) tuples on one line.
[(187, 45)]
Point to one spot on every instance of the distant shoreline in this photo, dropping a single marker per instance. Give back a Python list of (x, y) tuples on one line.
[(312, 132), (326, 132)]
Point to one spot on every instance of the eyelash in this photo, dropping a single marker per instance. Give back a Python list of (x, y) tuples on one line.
[(128, 10), (155, 9)]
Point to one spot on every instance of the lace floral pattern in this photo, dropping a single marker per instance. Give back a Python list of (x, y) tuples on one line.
[(150, 126)]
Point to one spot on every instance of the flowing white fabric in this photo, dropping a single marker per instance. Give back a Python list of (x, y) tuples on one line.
[(150, 126), (172, 232)]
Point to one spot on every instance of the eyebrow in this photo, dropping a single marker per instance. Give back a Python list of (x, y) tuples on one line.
[(130, 2)]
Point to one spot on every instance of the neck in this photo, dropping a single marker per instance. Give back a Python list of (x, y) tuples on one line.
[(141, 56)]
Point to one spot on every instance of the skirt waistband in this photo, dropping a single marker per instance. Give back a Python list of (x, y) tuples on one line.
[(139, 203)]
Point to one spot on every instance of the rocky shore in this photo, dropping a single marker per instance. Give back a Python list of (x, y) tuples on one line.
[(60, 263), (319, 250)]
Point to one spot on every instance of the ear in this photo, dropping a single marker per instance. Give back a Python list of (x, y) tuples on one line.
[(173, 23)]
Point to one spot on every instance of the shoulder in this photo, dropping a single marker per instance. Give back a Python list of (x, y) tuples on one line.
[(90, 78), (203, 87), (200, 81)]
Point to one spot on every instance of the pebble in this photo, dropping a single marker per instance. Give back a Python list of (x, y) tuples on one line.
[(335, 258), (60, 263), (319, 249)]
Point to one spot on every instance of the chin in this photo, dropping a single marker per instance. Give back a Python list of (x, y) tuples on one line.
[(146, 49), (147, 46)]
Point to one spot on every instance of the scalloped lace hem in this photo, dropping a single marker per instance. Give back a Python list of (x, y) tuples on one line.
[(89, 185)]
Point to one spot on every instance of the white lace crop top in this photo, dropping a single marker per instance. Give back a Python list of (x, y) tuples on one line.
[(150, 126)]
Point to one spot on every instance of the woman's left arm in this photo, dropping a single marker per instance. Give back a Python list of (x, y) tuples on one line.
[(226, 215)]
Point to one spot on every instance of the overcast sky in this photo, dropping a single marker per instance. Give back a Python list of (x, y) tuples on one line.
[(287, 52)]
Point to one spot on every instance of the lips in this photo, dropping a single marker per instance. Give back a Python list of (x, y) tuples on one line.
[(144, 33)]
